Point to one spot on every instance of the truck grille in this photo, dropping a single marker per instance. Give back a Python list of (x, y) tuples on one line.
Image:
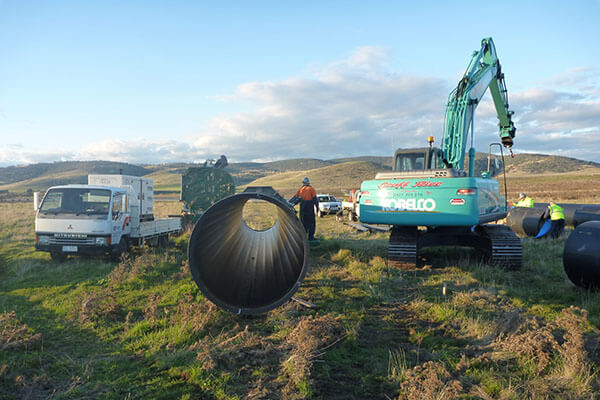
[(72, 239)]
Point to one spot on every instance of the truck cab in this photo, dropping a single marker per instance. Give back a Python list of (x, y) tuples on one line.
[(84, 219)]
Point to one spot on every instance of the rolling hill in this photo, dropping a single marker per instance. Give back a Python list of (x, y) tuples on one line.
[(43, 175), (333, 175), (336, 179)]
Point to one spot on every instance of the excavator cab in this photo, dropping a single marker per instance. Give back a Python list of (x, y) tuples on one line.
[(420, 159)]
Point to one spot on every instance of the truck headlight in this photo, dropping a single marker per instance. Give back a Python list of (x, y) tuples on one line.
[(43, 239), (101, 241)]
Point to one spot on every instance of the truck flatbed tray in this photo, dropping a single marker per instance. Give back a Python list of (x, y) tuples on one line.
[(159, 227)]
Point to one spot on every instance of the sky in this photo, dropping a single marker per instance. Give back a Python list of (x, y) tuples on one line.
[(185, 81)]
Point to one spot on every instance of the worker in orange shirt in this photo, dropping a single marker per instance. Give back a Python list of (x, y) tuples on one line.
[(307, 196)]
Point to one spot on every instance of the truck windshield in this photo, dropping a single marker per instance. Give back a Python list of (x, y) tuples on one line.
[(79, 201), (410, 162)]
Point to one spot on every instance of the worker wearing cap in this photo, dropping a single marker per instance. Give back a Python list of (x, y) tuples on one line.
[(524, 201), (557, 219), (307, 196)]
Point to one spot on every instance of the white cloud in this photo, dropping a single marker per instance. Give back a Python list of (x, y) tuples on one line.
[(366, 56), (344, 110), (356, 107), (556, 118)]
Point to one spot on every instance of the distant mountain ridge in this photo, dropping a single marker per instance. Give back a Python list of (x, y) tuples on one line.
[(42, 175), (22, 173)]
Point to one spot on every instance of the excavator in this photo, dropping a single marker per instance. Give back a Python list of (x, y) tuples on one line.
[(430, 200)]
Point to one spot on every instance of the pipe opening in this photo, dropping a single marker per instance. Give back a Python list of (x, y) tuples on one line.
[(259, 215), (242, 269)]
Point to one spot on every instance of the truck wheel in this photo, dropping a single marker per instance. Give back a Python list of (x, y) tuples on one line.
[(320, 214), (58, 256), (115, 254)]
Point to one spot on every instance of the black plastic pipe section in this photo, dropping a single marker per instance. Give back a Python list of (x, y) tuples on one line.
[(528, 221), (581, 256), (570, 209), (586, 214), (525, 220), (242, 270)]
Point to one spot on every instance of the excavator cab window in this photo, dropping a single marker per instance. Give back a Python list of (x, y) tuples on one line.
[(410, 161), (425, 158), (435, 159)]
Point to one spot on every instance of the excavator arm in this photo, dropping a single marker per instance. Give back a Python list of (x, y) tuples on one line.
[(483, 72)]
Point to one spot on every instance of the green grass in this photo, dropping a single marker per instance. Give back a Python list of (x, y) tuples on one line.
[(89, 328)]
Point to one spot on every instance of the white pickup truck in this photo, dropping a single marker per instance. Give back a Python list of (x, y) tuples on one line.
[(106, 216), (327, 205)]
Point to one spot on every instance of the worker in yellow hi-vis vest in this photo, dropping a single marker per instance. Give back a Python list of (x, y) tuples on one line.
[(557, 219), (524, 201)]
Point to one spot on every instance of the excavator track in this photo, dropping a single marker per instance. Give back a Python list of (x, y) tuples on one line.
[(402, 248), (506, 247)]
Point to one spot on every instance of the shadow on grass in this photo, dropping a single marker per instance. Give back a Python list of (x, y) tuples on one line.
[(74, 362), (42, 272), (32, 272)]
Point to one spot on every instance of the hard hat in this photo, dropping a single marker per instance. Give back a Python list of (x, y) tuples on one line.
[(305, 181), (522, 195)]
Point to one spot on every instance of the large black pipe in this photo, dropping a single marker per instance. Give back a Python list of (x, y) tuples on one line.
[(570, 209), (243, 270), (525, 220), (586, 214), (581, 256), (528, 221)]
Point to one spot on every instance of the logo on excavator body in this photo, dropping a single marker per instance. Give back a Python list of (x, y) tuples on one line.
[(408, 205), (404, 184), (394, 185)]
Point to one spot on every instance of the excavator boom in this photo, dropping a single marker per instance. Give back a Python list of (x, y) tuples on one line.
[(483, 72)]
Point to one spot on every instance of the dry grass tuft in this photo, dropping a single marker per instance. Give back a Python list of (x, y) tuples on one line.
[(151, 309), (96, 306), (128, 268), (430, 381), (309, 341), (532, 338), (184, 271), (14, 335), (193, 313), (541, 341)]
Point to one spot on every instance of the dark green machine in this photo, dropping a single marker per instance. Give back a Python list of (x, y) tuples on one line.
[(201, 187)]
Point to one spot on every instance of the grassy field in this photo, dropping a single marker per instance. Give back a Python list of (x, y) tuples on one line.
[(88, 328), (580, 187)]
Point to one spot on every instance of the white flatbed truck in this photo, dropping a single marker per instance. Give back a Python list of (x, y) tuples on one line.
[(106, 216), (352, 207)]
